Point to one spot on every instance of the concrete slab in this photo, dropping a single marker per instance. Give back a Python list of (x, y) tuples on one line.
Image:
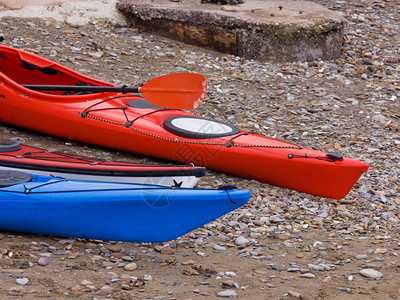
[(18, 4), (257, 29), (73, 12)]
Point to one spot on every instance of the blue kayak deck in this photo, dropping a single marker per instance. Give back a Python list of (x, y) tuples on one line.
[(111, 211)]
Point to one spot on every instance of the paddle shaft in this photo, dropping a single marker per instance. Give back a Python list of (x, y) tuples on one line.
[(83, 88), (175, 91)]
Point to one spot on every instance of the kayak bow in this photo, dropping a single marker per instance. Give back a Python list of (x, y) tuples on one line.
[(108, 211)]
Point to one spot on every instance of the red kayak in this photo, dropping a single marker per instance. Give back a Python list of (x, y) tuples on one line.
[(19, 157), (85, 109)]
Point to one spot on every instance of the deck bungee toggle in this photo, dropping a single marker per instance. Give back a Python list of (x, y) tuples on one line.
[(328, 157), (111, 119)]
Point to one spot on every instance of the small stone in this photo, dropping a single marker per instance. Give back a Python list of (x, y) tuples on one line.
[(280, 86), (73, 255), (278, 267), (379, 118), (115, 248), (230, 274), (283, 236), (97, 54), (117, 255), (371, 273), (227, 294), (127, 258), (125, 287), (258, 222), (108, 264), (295, 294), (22, 281), (229, 8), (315, 267), (158, 248), (167, 250), (147, 277), (239, 241), (307, 275), (130, 267), (43, 261), (289, 245), (228, 283), (219, 248), (45, 254), (112, 54), (122, 30), (293, 270), (86, 282), (380, 251)]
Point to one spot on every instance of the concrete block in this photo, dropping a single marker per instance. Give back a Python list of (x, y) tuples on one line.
[(256, 29)]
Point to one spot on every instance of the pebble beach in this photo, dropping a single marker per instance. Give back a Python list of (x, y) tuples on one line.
[(283, 244)]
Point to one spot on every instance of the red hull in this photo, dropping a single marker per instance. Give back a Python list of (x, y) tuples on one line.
[(106, 119), (42, 162)]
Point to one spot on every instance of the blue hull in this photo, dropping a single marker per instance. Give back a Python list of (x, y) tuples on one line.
[(111, 211)]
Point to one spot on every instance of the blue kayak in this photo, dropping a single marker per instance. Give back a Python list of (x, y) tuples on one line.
[(108, 211)]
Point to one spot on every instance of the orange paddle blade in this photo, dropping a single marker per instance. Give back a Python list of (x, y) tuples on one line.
[(177, 90)]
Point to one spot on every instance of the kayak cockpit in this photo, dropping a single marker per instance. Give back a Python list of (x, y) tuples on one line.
[(29, 69), (10, 178)]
